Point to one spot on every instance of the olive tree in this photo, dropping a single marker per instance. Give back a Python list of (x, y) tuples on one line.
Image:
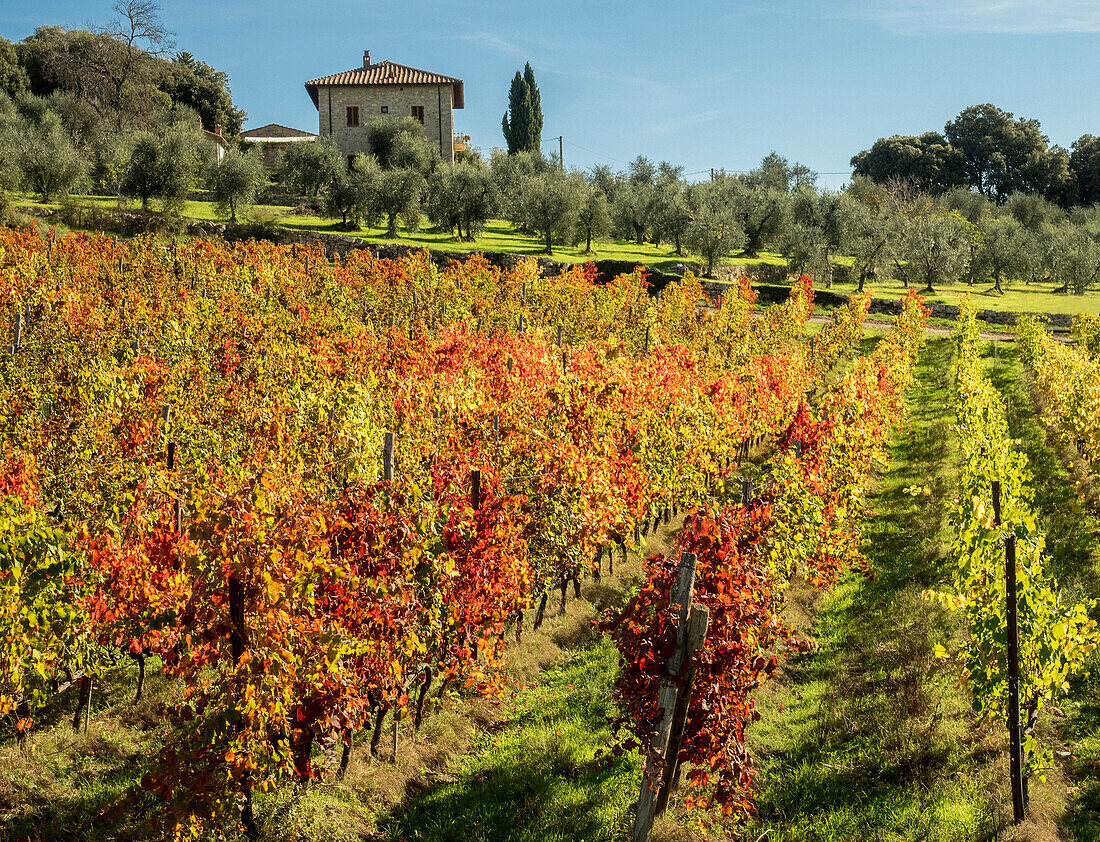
[(164, 164), (869, 230), (400, 194), (1005, 248), (715, 230), (306, 169), (351, 194), (816, 232), (49, 161), (935, 246), (1073, 255), (551, 202), (461, 197), (632, 211), (235, 180), (593, 217), (509, 174)]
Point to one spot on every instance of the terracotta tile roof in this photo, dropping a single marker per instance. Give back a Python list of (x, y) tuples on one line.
[(387, 73), (276, 130), (217, 137)]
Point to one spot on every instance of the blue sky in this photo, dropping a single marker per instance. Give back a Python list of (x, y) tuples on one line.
[(702, 84)]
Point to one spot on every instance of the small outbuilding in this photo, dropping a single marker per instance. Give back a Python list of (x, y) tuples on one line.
[(273, 138)]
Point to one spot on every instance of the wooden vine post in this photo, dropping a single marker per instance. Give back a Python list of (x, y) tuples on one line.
[(1015, 738), (673, 699)]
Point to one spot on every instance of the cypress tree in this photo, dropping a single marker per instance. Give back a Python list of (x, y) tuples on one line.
[(534, 127), (522, 123)]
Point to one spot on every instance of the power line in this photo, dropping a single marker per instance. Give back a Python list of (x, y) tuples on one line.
[(693, 172)]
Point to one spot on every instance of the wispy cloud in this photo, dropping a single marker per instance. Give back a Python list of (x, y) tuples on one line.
[(491, 41), (1009, 17), (642, 85), (719, 78), (682, 122)]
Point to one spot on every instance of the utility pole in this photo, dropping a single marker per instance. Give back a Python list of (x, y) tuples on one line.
[(561, 152)]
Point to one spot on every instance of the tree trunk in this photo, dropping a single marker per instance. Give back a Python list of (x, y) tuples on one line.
[(549, 245), (679, 248), (423, 695), (302, 747), (377, 736), (83, 701), (542, 610), (391, 225), (345, 755)]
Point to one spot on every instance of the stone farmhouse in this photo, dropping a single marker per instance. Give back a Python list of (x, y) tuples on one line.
[(347, 102)]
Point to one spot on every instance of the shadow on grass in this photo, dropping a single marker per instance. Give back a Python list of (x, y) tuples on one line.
[(538, 774)]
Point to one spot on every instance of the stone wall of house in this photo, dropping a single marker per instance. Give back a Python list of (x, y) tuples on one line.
[(399, 100)]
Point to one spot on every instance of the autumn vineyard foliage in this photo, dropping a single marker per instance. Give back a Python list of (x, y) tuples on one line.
[(805, 520), (191, 467)]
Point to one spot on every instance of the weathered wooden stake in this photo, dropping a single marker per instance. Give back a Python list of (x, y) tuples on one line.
[(396, 734), (387, 457), (657, 757), (696, 634), (475, 489), (1015, 750)]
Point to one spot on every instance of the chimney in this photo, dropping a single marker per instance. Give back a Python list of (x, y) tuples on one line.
[(366, 58), (218, 129)]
